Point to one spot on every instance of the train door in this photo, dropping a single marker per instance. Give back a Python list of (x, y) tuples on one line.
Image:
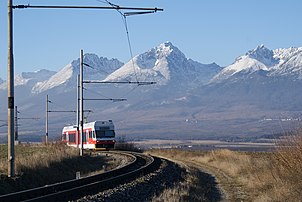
[(67, 138)]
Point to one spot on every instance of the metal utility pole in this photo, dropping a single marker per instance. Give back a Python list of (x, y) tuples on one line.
[(16, 125), (81, 104), (46, 121), (10, 70), (78, 110), (10, 95), (60, 111)]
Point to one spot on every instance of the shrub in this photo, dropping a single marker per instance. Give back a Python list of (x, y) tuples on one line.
[(122, 144)]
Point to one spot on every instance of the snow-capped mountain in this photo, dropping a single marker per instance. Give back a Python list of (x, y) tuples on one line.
[(95, 67), (290, 63), (279, 62), (261, 58), (29, 79), (165, 64), (37, 76), (269, 79), (189, 98), (263, 55)]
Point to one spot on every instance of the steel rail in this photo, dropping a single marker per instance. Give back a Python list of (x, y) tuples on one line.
[(77, 188)]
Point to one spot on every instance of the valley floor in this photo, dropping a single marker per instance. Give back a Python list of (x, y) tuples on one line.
[(263, 145)]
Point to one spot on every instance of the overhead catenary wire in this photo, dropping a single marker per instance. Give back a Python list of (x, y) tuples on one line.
[(104, 96), (124, 19), (131, 90), (107, 73), (4, 124), (124, 95), (11, 97), (64, 108), (129, 44)]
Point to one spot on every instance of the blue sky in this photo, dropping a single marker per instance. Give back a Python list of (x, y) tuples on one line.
[(204, 30)]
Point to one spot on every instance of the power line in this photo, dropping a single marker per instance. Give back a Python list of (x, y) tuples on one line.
[(129, 44), (139, 83), (86, 7), (124, 19), (104, 99), (10, 70), (117, 77)]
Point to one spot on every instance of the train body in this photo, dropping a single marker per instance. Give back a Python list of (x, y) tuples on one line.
[(97, 135)]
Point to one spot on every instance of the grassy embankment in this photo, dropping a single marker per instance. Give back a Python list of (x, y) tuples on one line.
[(38, 165), (274, 176)]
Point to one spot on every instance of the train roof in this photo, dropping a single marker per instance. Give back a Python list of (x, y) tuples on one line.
[(91, 124), (99, 123)]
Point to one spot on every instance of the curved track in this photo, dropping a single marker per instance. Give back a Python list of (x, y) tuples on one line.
[(140, 165)]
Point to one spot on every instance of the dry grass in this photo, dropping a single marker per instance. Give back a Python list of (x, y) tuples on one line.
[(34, 156), (37, 165), (177, 193), (274, 176), (196, 186), (288, 161)]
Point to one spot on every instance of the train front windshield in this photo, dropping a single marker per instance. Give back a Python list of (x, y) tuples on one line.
[(104, 133)]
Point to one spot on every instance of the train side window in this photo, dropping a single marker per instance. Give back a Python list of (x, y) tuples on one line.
[(71, 137), (85, 137)]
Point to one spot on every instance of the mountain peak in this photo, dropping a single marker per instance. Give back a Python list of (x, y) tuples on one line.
[(167, 44), (261, 46), (164, 49), (260, 58), (165, 64), (263, 55), (100, 67), (260, 49), (167, 48)]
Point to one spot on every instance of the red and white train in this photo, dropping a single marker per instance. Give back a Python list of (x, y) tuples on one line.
[(96, 135)]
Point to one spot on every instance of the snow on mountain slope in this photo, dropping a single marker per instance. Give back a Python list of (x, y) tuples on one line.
[(29, 78), (278, 62), (260, 58), (59, 78), (131, 71), (283, 54), (151, 65), (258, 83), (291, 63), (263, 55), (164, 64), (40, 75), (243, 63), (98, 69)]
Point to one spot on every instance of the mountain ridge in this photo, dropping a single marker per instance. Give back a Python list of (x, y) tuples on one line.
[(278, 62), (152, 63), (189, 97)]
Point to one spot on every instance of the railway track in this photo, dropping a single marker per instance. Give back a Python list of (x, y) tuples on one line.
[(140, 165)]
